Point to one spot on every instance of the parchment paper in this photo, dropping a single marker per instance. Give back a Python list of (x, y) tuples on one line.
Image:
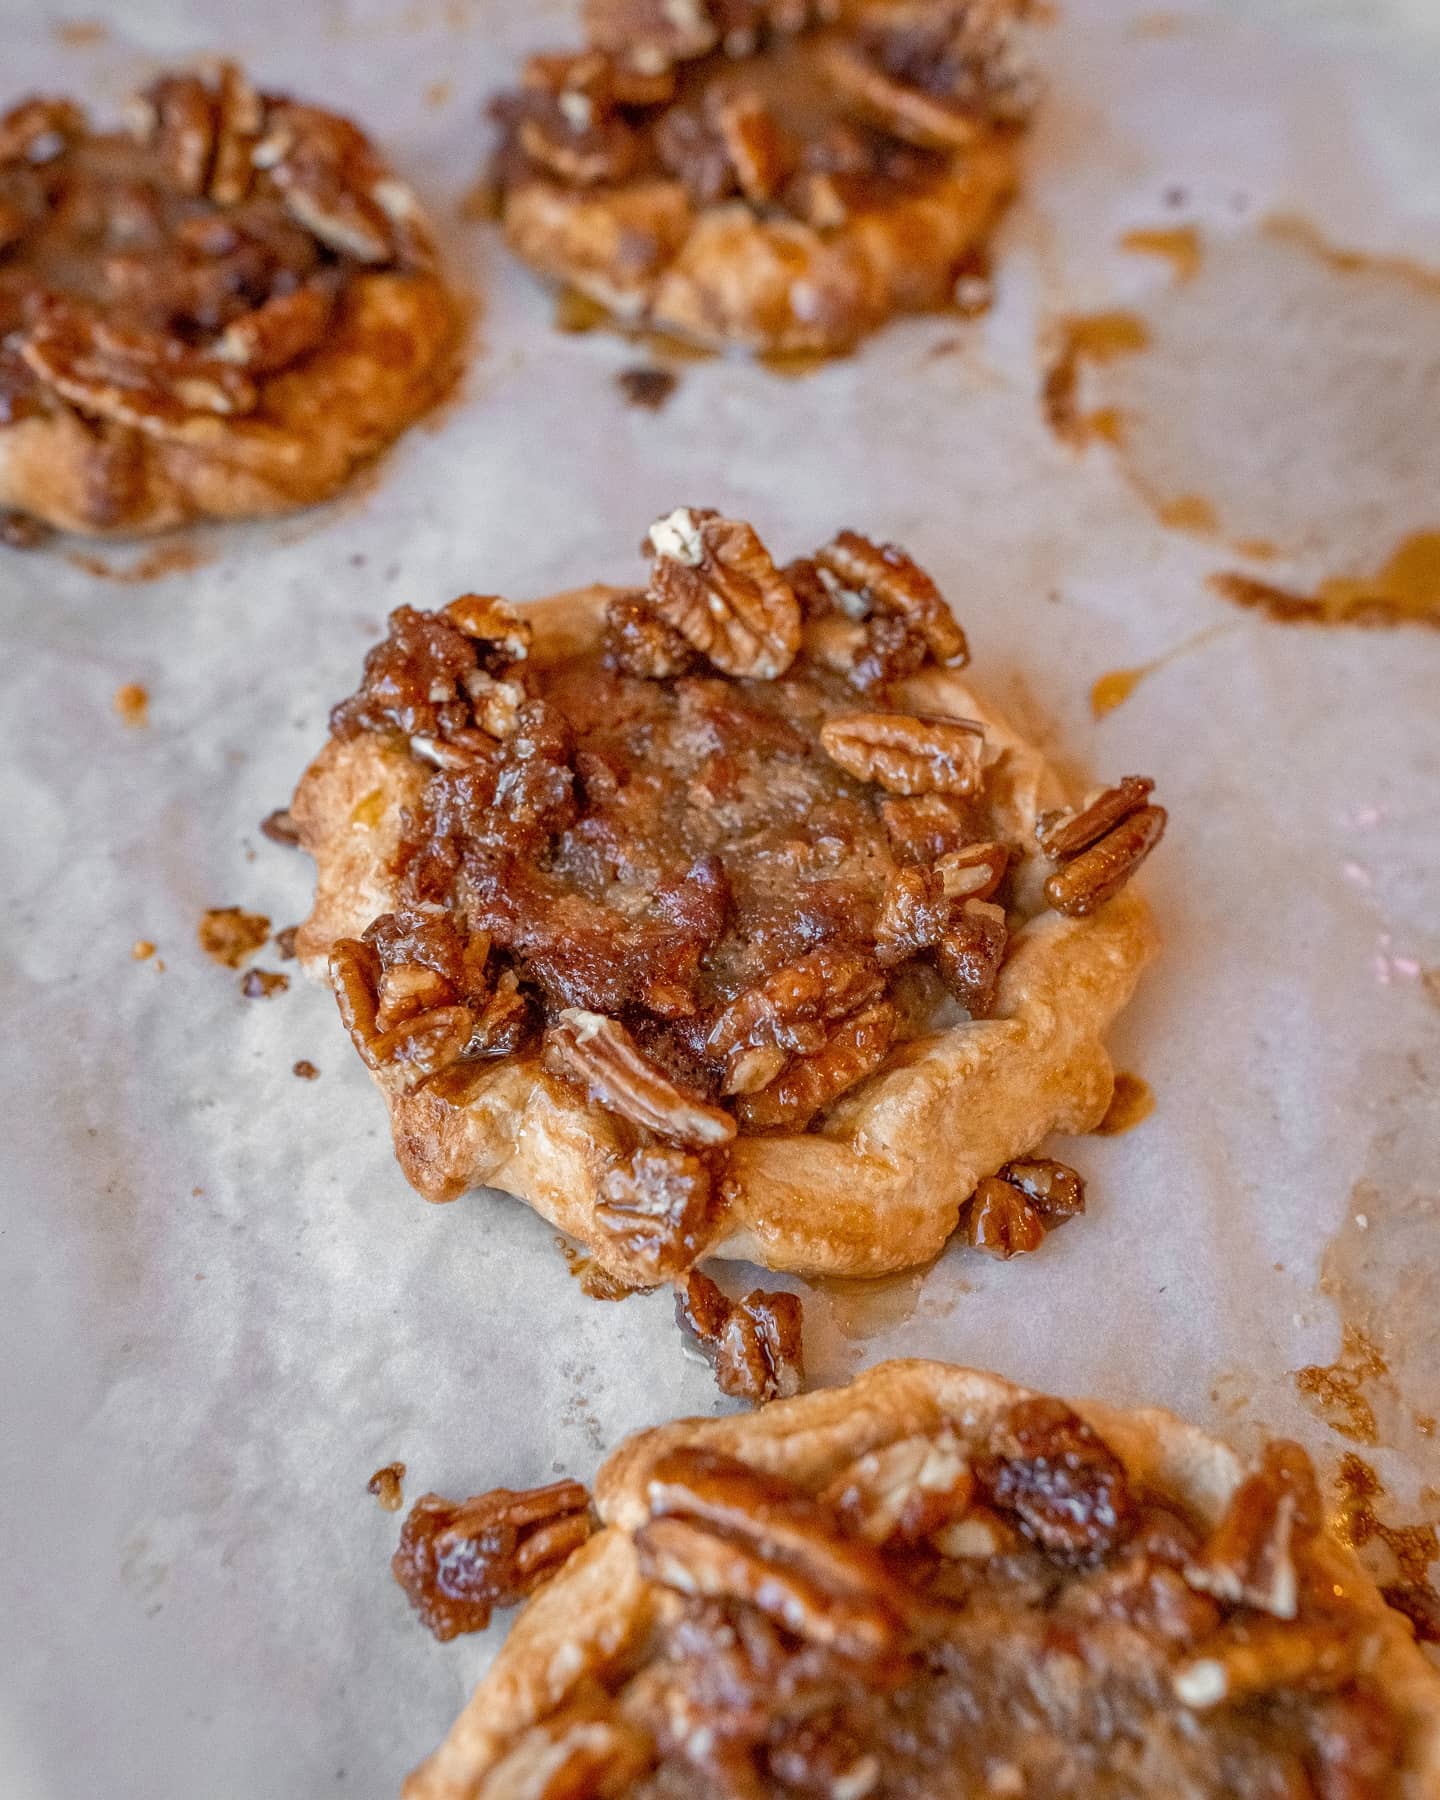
[(222, 1308)]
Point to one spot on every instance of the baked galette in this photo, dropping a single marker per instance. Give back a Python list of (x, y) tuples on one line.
[(770, 173), (219, 311), (721, 917), (927, 1583)]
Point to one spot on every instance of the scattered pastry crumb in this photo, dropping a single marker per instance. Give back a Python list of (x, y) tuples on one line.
[(142, 949), (285, 943), (80, 34), (386, 1485), (306, 1070), (438, 93), (1091, 337), (647, 388), (263, 984), (132, 702), (1130, 1103), (229, 934), (280, 828)]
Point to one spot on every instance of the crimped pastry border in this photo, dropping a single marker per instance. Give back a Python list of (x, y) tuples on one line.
[(722, 276), (390, 355), (881, 1186), (600, 1607)]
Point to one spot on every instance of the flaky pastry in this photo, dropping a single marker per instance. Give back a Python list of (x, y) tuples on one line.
[(933, 1581), (780, 176), (221, 311), (712, 920)]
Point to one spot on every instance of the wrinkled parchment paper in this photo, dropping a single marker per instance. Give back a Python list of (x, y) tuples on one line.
[(222, 1308)]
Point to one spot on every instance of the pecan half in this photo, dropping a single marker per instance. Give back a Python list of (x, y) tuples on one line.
[(713, 580), (332, 183), (419, 1045), (757, 150), (755, 1345), (926, 827), (457, 1562), (907, 753), (654, 1207), (1066, 1486), (600, 1056), (974, 872), (855, 1048), (278, 332), (883, 576), (500, 635), (914, 914), (239, 121), (38, 130), (175, 117), (1101, 846), (930, 121), (650, 35), (905, 1490), (1249, 1558), (721, 1530)]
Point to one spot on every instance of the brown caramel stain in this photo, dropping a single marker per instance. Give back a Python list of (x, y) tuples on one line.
[(229, 934), (1179, 245), (1291, 228), (1156, 25), (1188, 512), (80, 34), (169, 559), (1404, 590), (1336, 1391), (387, 1486), (1115, 687), (1411, 1549), (1079, 339), (1131, 1103), (306, 1070), (595, 1283), (132, 703), (142, 950)]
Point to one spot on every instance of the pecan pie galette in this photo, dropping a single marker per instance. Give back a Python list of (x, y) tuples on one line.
[(218, 312), (719, 917), (773, 173), (929, 1583)]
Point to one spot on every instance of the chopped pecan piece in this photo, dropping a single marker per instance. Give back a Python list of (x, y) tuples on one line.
[(914, 914), (926, 120), (756, 148), (567, 138), (907, 753), (600, 1055), (1002, 1221), (1265, 1656), (332, 183), (1054, 1473), (713, 580), (278, 332), (412, 1050), (904, 1491), (755, 1345), (789, 1011), (239, 121), (1249, 1558), (976, 1537), (855, 1048), (654, 1207), (650, 35), (974, 872), (458, 1562), (721, 1530), (1099, 847), (884, 577), (500, 635), (175, 116), (639, 642), (1054, 1189), (576, 1754), (37, 130), (690, 147), (926, 827), (970, 952)]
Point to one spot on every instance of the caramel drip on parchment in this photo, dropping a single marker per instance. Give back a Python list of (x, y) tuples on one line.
[(1179, 245)]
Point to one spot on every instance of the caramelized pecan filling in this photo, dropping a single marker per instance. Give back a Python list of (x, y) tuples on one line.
[(982, 1612), (806, 110), (164, 273), (714, 870)]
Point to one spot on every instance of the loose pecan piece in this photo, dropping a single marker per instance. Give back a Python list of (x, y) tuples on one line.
[(1065, 1485), (1265, 1656), (278, 332), (713, 580), (721, 1530), (1002, 1221), (904, 1491), (457, 1562), (38, 130), (907, 753), (755, 1345), (1099, 847), (884, 577), (654, 1207), (855, 1048), (1249, 1558), (599, 1055)]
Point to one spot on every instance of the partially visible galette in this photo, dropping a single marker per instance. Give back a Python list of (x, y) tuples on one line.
[(722, 917), (219, 311), (928, 1583), (772, 173)]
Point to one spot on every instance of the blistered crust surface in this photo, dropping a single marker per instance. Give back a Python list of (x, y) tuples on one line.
[(600, 1605), (880, 1187), (388, 358)]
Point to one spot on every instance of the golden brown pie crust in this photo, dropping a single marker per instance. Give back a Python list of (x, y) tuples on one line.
[(881, 1185), (388, 353), (600, 1607)]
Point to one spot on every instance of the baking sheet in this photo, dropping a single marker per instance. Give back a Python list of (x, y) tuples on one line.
[(220, 1307)]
